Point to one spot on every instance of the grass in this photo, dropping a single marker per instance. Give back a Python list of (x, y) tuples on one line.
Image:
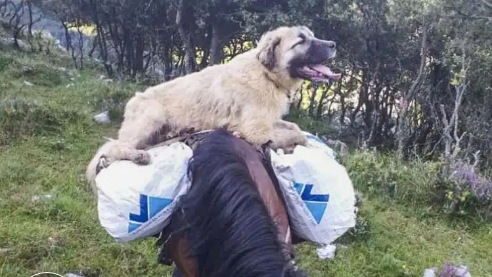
[(47, 136)]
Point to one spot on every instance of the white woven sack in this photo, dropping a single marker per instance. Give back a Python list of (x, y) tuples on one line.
[(318, 191), (136, 201)]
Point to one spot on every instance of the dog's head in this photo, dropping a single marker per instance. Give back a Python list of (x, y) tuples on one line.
[(296, 52)]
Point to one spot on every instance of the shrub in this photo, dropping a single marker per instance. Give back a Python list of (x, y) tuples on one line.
[(308, 124), (466, 193), (414, 183), (111, 99), (20, 118), (5, 61), (448, 270), (41, 75), (360, 232), (385, 175)]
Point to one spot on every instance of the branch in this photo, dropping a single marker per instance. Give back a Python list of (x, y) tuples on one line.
[(476, 158), (416, 82), (445, 122), (487, 4)]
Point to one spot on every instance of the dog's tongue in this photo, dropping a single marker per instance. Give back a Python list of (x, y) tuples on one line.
[(325, 71)]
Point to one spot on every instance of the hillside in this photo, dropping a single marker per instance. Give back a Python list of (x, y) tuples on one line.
[(48, 217)]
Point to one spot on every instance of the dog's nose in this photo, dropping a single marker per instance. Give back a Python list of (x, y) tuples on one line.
[(331, 44)]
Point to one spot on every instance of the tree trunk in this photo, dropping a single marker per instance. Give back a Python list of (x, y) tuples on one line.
[(186, 38), (215, 46), (312, 102), (403, 124)]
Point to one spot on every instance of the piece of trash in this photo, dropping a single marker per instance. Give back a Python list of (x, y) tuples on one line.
[(73, 275), (38, 198), (462, 271), (102, 117), (326, 252), (429, 273), (5, 250), (29, 84), (447, 270), (341, 246)]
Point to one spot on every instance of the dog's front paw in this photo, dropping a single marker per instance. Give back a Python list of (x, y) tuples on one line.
[(289, 149), (288, 143), (237, 134), (141, 157), (303, 140), (102, 164), (286, 149)]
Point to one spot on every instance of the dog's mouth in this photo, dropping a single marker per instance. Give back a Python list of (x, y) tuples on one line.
[(317, 73)]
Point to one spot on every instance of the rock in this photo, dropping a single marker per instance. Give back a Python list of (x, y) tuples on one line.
[(38, 198), (102, 117), (27, 69), (29, 84)]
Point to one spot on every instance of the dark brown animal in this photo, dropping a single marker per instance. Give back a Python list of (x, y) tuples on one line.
[(233, 220)]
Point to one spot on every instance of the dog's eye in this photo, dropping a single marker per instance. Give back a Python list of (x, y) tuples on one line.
[(302, 39)]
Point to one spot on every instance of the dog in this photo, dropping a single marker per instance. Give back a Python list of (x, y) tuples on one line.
[(248, 96)]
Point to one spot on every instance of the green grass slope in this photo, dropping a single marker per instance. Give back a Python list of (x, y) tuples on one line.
[(47, 136)]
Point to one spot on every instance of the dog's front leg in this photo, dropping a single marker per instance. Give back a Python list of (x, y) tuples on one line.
[(287, 125), (287, 139)]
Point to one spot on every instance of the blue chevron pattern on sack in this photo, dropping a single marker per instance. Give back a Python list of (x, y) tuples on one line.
[(316, 203), (149, 207)]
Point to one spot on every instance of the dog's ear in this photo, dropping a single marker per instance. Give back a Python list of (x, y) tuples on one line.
[(266, 53)]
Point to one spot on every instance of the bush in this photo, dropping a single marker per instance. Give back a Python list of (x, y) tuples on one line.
[(466, 193), (41, 75), (308, 124), (419, 184), (111, 99), (5, 61), (448, 270), (22, 118), (384, 175)]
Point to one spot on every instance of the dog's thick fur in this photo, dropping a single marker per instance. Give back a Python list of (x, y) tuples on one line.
[(249, 95)]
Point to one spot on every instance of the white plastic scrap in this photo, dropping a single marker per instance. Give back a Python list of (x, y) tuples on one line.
[(73, 275), (102, 117), (459, 271), (326, 252), (462, 271), (429, 273), (38, 198)]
